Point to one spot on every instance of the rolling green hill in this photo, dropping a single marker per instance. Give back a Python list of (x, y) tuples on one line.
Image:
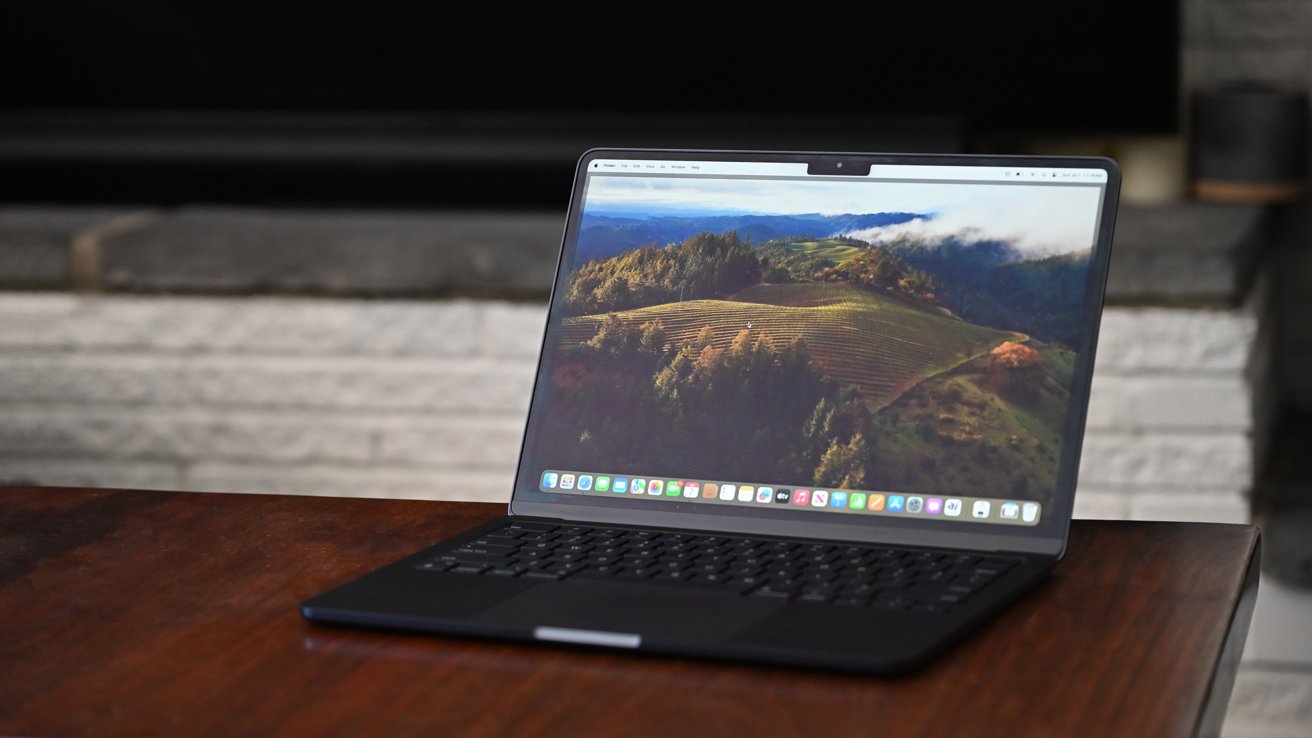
[(803, 260), (974, 427), (880, 344), (832, 249)]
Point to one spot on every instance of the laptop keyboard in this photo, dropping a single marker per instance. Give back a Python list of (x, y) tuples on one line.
[(841, 574)]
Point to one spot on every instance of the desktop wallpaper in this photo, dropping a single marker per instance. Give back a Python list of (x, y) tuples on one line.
[(902, 337)]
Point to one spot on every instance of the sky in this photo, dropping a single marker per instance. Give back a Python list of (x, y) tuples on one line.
[(1038, 220)]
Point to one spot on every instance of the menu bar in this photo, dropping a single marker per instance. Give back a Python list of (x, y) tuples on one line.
[(1023, 175), (750, 168)]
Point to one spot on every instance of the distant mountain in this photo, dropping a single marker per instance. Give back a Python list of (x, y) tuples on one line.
[(604, 236)]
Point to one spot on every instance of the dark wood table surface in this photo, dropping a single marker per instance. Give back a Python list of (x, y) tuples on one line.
[(128, 613)]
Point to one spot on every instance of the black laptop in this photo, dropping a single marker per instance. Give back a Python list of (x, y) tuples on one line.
[(796, 408)]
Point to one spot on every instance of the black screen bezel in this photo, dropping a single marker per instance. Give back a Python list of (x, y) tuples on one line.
[(1049, 537)]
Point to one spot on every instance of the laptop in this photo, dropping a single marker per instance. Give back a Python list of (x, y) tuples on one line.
[(812, 409)]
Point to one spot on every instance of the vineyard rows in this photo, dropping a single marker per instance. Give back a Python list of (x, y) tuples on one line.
[(880, 344)]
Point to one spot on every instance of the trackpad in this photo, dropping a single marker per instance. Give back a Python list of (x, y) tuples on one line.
[(659, 613)]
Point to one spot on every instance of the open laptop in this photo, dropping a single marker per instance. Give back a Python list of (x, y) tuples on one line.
[(798, 408)]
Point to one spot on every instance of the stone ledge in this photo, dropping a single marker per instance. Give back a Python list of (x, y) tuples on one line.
[(243, 251), (1187, 253), (36, 244), (1190, 252)]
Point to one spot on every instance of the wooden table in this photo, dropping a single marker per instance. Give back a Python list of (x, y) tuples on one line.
[(162, 613)]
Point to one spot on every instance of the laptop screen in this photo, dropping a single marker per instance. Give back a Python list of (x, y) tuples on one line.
[(900, 344)]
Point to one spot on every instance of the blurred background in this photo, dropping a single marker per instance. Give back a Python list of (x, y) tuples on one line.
[(305, 247)]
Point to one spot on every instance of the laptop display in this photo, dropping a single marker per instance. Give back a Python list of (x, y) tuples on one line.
[(826, 407), (908, 344)]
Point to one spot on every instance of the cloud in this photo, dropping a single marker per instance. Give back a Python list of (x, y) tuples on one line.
[(1043, 222)]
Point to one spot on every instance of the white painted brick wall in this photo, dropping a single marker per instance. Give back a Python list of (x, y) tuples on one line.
[(1270, 702), (427, 399), (1170, 425), (312, 396)]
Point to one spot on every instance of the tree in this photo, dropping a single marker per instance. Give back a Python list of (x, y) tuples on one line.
[(844, 465), (653, 337), (1017, 368), (614, 336), (1015, 355)]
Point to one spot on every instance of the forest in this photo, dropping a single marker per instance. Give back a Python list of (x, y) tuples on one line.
[(705, 265)]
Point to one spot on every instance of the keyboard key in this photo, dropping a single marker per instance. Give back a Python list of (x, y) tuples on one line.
[(638, 573), (772, 593), (891, 603), (487, 550), (861, 590), (436, 565), (584, 575), (722, 580), (673, 576), (530, 526), (608, 569), (468, 569), (456, 557), (503, 537)]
